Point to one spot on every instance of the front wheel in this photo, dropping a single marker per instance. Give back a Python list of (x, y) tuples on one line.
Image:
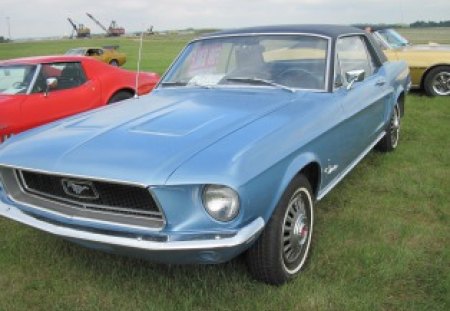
[(437, 81), (283, 247), (390, 141), (114, 63), (119, 96)]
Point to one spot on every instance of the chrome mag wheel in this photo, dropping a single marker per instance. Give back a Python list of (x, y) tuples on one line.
[(441, 83)]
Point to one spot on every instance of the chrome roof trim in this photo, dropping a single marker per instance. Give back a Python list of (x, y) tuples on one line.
[(249, 34)]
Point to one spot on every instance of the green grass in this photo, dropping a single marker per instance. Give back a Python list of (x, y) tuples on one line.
[(381, 236), (158, 51), (426, 35), (381, 242)]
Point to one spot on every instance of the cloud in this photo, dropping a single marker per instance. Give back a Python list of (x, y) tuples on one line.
[(48, 17)]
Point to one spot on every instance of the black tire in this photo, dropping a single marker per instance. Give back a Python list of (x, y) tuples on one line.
[(390, 141), (119, 96), (437, 81), (114, 63), (281, 251)]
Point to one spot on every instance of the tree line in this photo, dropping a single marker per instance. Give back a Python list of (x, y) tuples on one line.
[(417, 24), (422, 24)]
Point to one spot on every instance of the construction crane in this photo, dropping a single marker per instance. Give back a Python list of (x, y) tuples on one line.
[(112, 31), (81, 30)]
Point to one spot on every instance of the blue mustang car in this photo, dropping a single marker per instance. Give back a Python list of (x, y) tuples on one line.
[(246, 130)]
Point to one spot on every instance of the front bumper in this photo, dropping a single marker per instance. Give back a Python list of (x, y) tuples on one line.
[(210, 249)]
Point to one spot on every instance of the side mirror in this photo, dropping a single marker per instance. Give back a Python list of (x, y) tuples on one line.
[(51, 84), (353, 76)]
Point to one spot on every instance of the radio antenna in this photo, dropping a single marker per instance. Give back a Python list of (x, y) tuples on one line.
[(139, 65)]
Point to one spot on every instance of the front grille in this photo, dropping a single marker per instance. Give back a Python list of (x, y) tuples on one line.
[(109, 197)]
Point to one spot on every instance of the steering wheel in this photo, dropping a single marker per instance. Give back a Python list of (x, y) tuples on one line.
[(298, 78)]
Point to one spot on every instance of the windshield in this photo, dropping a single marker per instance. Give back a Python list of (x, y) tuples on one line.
[(282, 61), (79, 52), (16, 79), (393, 38)]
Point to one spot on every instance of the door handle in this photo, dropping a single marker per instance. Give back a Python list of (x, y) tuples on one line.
[(380, 82)]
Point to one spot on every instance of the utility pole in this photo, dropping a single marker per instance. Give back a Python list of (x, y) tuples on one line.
[(8, 24)]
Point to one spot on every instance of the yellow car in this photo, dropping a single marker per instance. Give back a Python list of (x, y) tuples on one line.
[(429, 64), (107, 54)]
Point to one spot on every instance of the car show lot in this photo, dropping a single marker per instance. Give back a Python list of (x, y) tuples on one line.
[(380, 238)]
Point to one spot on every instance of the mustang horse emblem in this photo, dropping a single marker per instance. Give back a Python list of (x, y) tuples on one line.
[(79, 189)]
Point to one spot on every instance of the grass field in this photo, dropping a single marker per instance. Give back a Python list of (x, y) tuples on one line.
[(425, 35), (158, 51), (381, 236)]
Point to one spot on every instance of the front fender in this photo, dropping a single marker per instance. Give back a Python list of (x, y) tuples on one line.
[(277, 178), (294, 168)]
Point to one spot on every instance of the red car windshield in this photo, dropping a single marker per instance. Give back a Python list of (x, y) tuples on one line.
[(16, 79)]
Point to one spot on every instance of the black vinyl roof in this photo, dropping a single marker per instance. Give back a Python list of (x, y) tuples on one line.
[(332, 31)]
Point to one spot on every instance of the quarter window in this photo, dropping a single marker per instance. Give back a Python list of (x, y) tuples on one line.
[(352, 54)]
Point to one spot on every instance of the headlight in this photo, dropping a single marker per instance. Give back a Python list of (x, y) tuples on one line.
[(221, 202)]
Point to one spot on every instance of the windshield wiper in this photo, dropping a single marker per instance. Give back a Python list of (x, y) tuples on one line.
[(180, 83), (250, 80), (174, 83)]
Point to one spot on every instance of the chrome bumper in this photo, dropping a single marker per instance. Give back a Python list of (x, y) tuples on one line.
[(241, 240)]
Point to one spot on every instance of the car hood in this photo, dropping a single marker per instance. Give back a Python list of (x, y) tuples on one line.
[(141, 141)]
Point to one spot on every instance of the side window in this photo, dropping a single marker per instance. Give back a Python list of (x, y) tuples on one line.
[(352, 54), (96, 52), (69, 75)]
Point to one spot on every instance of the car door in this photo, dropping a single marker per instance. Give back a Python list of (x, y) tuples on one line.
[(73, 93), (365, 102)]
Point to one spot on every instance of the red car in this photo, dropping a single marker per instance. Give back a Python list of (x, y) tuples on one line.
[(37, 90)]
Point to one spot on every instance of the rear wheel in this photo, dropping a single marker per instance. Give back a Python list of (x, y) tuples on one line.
[(114, 63), (437, 81), (119, 96), (283, 247), (390, 141)]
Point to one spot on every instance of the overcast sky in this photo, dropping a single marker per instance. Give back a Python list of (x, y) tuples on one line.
[(37, 18)]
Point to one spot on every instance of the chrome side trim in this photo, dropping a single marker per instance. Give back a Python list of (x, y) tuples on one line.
[(339, 177), (244, 236)]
